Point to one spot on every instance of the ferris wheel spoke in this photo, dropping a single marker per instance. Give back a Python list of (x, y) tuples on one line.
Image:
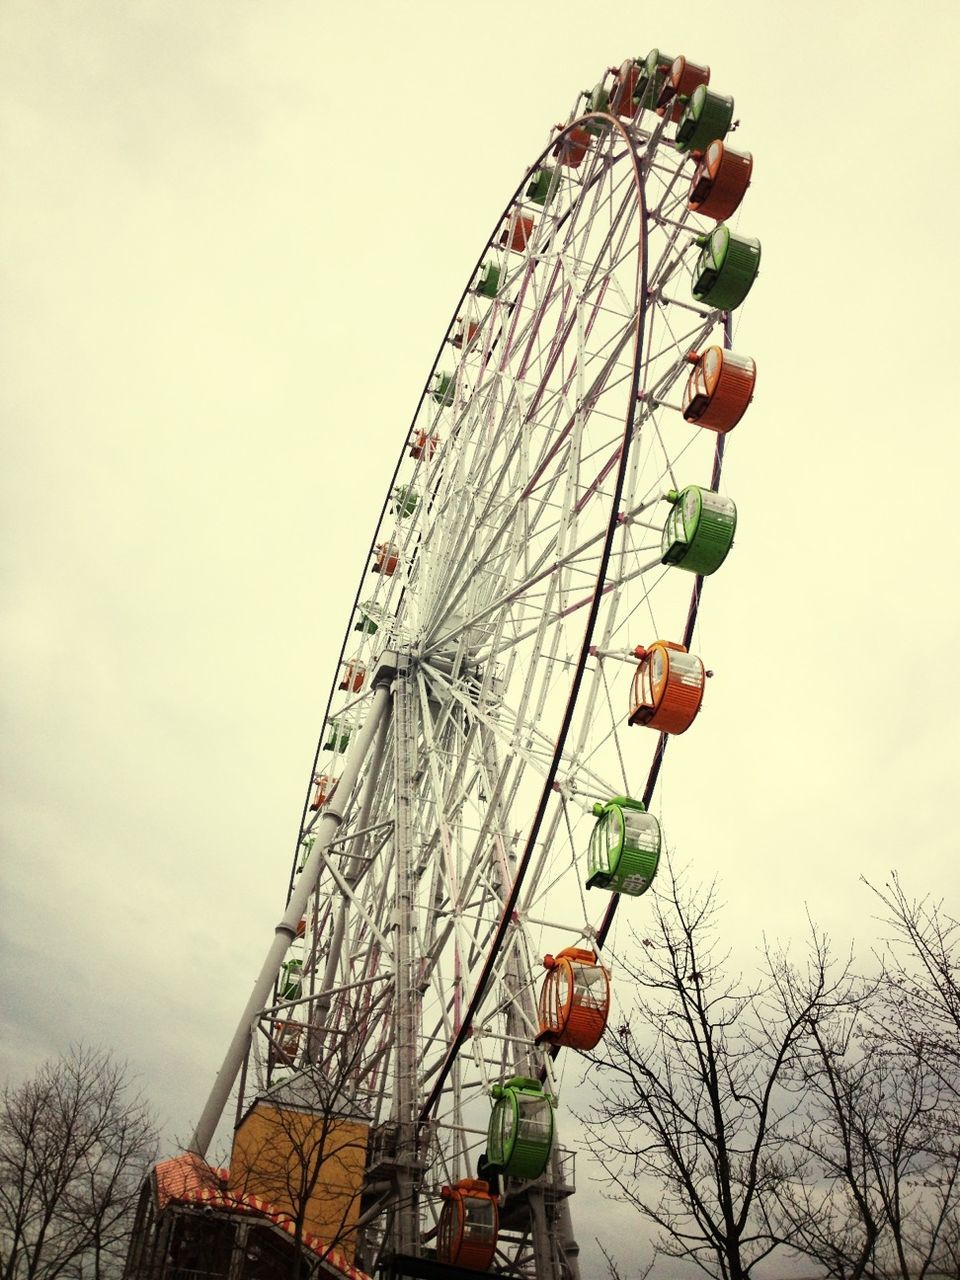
[(537, 762), (671, 258), (595, 392), (526, 741), (543, 405), (532, 328), (466, 550), (676, 348), (486, 655), (565, 330), (542, 572), (435, 1043), (662, 208), (617, 345), (468, 943), (534, 895), (670, 460), (569, 434)]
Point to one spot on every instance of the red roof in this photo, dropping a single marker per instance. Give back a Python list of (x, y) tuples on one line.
[(188, 1179)]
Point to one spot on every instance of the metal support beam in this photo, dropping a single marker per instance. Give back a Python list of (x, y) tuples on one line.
[(407, 995), (343, 910), (286, 930)]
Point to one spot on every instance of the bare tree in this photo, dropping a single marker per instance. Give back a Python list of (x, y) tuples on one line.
[(879, 1195), (918, 1011), (697, 1097), (915, 1029), (74, 1144)]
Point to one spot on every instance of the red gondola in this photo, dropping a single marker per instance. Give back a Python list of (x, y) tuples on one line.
[(621, 97), (423, 445), (324, 789), (684, 77), (386, 560), (465, 332), (285, 1043), (354, 674), (517, 233), (571, 150), (720, 181)]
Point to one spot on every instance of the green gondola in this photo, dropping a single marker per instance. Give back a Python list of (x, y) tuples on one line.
[(520, 1133), (726, 269), (624, 847), (306, 845), (706, 117), (488, 281), (699, 530), (598, 99), (290, 984), (404, 501), (338, 735), (444, 388), (656, 70), (539, 187), (367, 620)]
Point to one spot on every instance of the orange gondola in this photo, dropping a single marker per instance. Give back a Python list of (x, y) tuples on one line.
[(667, 688), (625, 86), (719, 389), (684, 78), (720, 181), (574, 999), (469, 1222)]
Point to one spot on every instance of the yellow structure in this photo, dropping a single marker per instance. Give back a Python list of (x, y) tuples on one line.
[(304, 1163)]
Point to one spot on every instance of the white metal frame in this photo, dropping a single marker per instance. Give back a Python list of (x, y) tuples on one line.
[(530, 563)]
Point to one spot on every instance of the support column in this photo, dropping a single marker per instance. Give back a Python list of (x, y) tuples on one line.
[(406, 991), (286, 930), (351, 870)]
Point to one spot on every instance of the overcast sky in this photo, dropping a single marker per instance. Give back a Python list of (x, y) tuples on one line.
[(232, 236)]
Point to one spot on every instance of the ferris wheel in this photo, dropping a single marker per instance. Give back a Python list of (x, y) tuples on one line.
[(520, 651)]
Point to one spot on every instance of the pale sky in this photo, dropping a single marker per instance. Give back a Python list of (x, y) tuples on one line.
[(232, 237)]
